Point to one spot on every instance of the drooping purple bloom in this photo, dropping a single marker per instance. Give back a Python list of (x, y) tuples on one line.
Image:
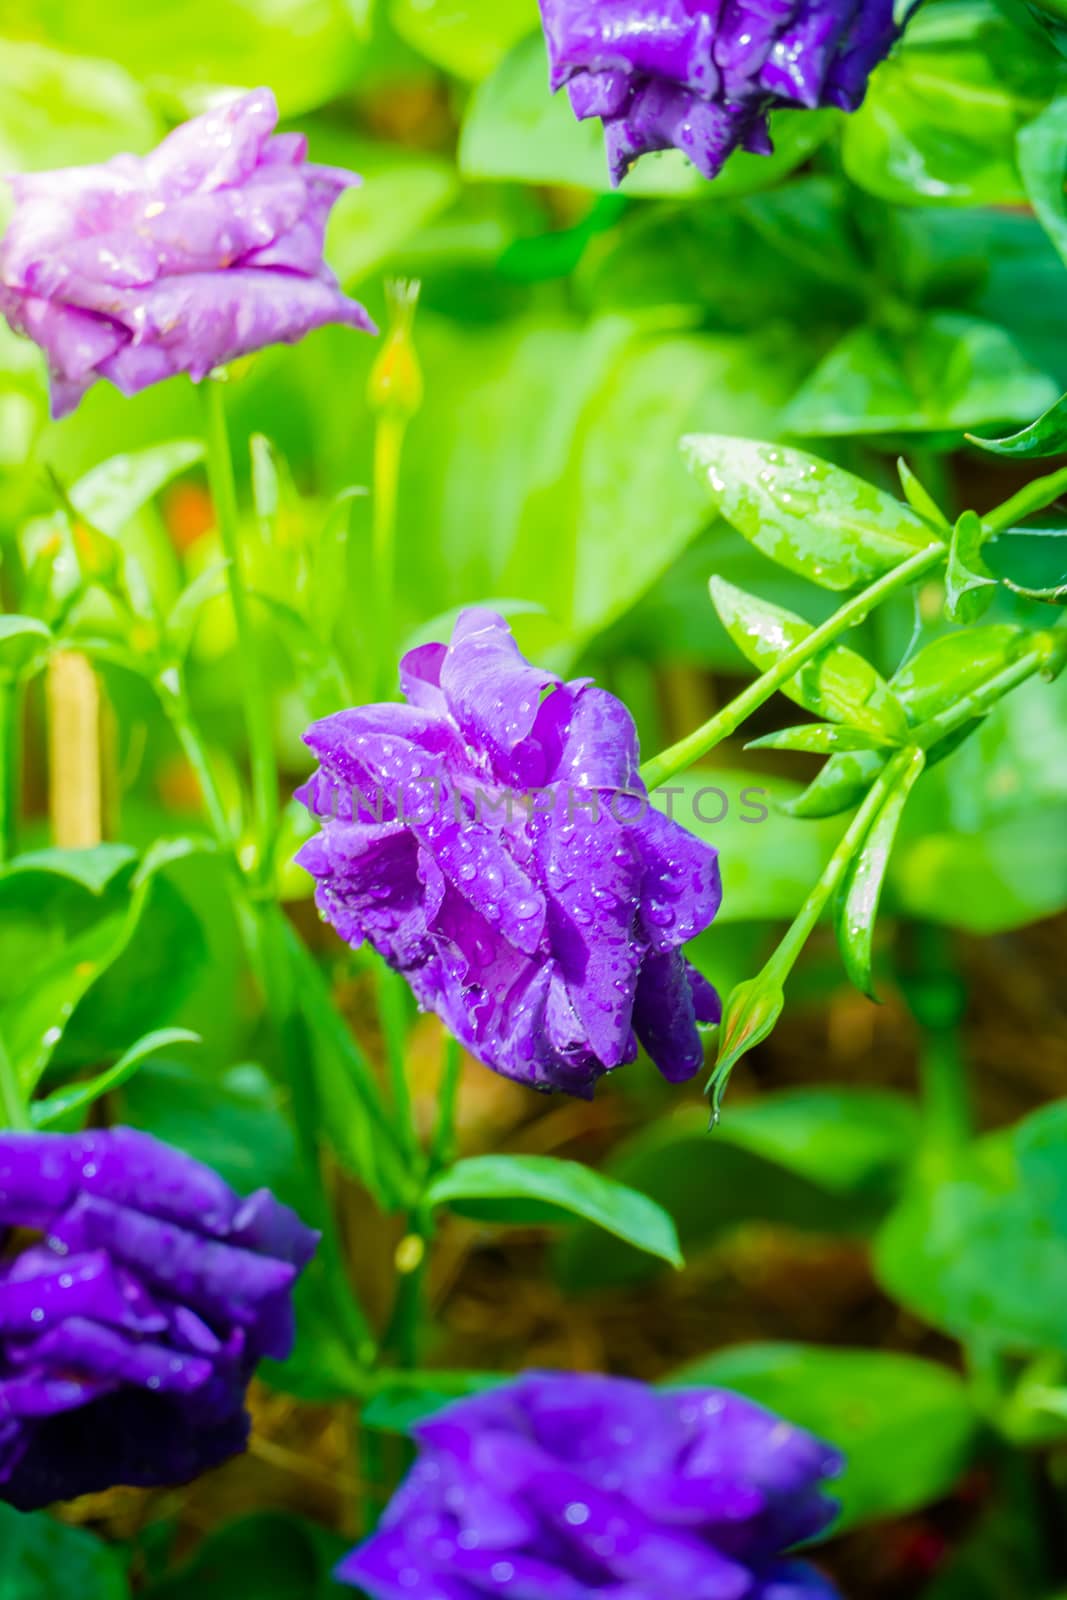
[(207, 249), (564, 1487), (704, 77), (493, 841), (130, 1331)]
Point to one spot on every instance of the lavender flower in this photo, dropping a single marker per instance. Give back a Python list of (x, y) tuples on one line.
[(565, 1487), (128, 1335), (205, 250), (493, 842), (703, 78)]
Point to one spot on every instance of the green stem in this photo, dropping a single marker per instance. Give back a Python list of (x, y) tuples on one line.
[(10, 766), (388, 447), (254, 698), (729, 719), (800, 930), (1037, 659), (13, 1108), (171, 690), (1035, 497)]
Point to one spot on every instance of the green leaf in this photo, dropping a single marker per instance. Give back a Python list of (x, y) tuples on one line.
[(60, 1106), (307, 49), (466, 37), (907, 1428), (112, 493), (515, 129), (1042, 149), (920, 499), (953, 666), (24, 644), (65, 921), (837, 683), (969, 584), (821, 1160), (946, 372), (41, 1559), (939, 122), (534, 1189), (93, 869), (266, 1556), (981, 1250), (856, 906), (818, 738), (808, 516), (57, 108), (1045, 437)]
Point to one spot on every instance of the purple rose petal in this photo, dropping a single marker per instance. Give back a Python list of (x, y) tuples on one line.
[(207, 249), (128, 1337), (502, 853), (702, 78), (561, 1486)]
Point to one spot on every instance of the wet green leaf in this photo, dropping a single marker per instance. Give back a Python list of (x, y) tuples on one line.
[(836, 683), (809, 516), (969, 584), (819, 738), (856, 906)]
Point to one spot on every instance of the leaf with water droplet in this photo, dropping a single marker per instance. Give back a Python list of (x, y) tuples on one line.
[(818, 738), (969, 584), (856, 904), (807, 515), (836, 683)]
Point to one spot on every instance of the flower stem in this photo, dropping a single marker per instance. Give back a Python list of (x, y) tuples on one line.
[(179, 713), (388, 447), (729, 719), (13, 1109), (254, 699)]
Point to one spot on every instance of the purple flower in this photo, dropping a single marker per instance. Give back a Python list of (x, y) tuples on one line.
[(566, 1487), (129, 1333), (703, 78), (493, 842), (178, 261)]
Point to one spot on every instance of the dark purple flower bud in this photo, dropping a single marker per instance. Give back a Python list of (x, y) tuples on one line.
[(207, 249), (703, 78), (493, 841), (130, 1331), (564, 1486)]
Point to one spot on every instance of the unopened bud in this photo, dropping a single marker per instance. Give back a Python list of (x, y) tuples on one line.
[(749, 1016), (395, 388)]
